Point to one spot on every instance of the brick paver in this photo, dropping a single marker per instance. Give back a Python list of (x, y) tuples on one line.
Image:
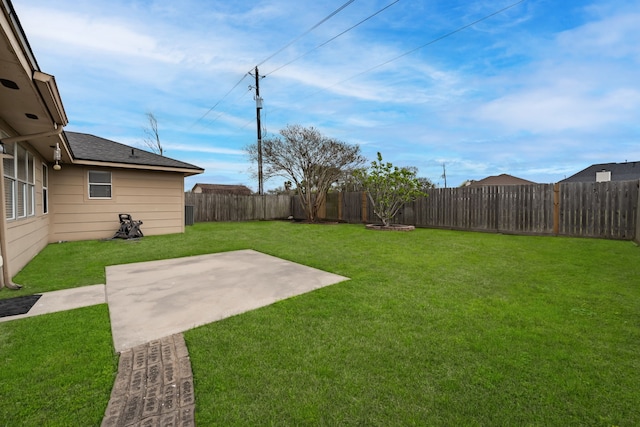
[(154, 386)]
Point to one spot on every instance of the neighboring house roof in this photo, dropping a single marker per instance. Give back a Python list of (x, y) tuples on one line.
[(221, 189), (627, 171), (90, 148), (502, 179)]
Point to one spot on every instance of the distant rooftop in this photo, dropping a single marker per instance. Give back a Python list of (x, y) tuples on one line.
[(627, 171), (221, 189), (502, 179)]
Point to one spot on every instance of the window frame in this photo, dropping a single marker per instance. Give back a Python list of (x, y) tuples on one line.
[(91, 184), (45, 189), (21, 185), (9, 183)]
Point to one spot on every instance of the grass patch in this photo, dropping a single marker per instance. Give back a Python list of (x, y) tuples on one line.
[(434, 328), (58, 369)]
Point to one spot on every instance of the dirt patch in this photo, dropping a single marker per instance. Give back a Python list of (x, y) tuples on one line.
[(319, 222)]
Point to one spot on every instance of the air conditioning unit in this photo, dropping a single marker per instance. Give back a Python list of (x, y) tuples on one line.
[(188, 215)]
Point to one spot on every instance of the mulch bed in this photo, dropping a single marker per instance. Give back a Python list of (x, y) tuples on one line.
[(392, 227), (18, 305)]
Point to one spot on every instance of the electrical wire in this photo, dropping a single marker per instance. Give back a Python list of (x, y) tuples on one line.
[(437, 39), (331, 15), (431, 42), (220, 114), (333, 38), (221, 99)]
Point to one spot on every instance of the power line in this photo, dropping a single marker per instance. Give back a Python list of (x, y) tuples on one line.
[(221, 99), (437, 39), (220, 114), (331, 15), (335, 37)]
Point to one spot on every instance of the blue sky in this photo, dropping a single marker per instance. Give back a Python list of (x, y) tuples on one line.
[(540, 91)]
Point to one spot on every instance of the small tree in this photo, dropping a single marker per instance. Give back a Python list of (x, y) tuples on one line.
[(389, 187), (152, 136), (310, 160)]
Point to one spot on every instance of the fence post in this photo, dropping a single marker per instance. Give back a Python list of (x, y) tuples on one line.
[(636, 238), (340, 206), (556, 208), (364, 206)]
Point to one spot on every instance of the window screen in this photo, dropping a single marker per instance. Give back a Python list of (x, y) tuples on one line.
[(99, 185)]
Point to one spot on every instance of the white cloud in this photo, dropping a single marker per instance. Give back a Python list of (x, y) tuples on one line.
[(576, 83), (205, 149), (556, 109), (98, 35)]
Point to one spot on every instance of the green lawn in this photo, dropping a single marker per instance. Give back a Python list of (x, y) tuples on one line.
[(435, 327), (57, 369)]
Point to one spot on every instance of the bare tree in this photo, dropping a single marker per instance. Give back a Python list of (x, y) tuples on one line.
[(151, 135), (310, 160)]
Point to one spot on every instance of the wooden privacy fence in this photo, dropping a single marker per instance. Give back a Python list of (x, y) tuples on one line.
[(584, 209), (229, 207), (605, 209)]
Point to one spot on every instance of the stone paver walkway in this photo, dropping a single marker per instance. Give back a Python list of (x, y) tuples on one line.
[(154, 386)]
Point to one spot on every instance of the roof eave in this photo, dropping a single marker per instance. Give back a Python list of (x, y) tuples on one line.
[(47, 87), (185, 171)]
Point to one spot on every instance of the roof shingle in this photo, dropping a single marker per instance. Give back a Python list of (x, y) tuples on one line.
[(502, 179), (84, 146), (627, 171), (222, 189)]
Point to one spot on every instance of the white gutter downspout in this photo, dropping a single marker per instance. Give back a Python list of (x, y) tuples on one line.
[(5, 280)]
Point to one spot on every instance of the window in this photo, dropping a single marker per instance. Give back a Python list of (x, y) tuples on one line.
[(99, 185), (45, 189), (9, 183), (19, 181)]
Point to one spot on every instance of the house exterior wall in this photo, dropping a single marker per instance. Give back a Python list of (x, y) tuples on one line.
[(156, 198), (25, 237)]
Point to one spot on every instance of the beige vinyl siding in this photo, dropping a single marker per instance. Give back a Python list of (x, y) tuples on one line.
[(156, 198), (26, 237)]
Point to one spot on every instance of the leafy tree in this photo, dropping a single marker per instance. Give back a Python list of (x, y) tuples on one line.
[(347, 182), (425, 183), (310, 160), (389, 187)]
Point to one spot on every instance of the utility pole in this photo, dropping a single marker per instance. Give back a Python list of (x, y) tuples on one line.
[(444, 175), (258, 108)]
